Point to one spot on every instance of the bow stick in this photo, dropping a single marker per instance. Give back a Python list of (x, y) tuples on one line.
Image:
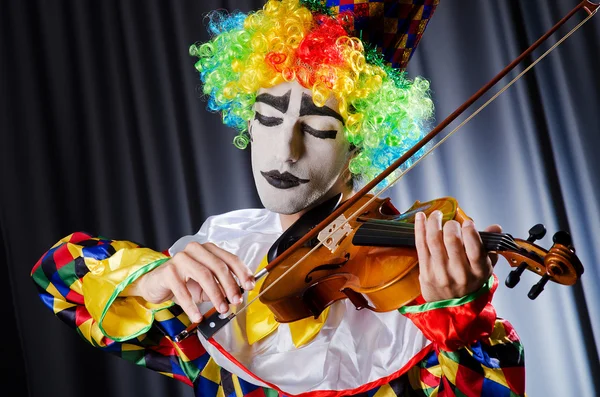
[(213, 321)]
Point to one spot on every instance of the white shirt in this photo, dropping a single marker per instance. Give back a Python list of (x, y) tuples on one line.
[(352, 349)]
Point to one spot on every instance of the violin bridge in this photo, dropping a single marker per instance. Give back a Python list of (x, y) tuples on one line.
[(331, 239)]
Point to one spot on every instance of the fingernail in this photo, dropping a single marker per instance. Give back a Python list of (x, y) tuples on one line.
[(250, 285), (439, 218), (468, 223), (223, 307), (197, 318), (237, 299), (420, 216)]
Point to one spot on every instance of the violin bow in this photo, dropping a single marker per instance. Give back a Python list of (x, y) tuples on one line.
[(213, 320)]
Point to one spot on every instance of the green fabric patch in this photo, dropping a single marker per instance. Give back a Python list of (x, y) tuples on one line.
[(135, 356), (270, 392), (67, 273), (39, 277), (134, 276), (449, 302)]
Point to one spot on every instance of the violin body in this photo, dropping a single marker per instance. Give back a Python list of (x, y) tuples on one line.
[(378, 277)]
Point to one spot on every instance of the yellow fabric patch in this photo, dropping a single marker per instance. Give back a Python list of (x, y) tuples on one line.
[(495, 374), (212, 371), (498, 336), (236, 386), (450, 367), (58, 305), (260, 321), (385, 391), (120, 317)]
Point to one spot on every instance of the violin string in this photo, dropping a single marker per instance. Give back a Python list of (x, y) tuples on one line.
[(501, 240), (402, 173), (476, 112)]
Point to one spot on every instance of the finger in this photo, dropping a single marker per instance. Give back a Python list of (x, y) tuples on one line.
[(190, 268), (435, 239), (219, 269), (421, 239), (195, 290), (242, 272), (181, 295), (493, 229), (198, 294), (458, 263), (481, 265), (438, 261)]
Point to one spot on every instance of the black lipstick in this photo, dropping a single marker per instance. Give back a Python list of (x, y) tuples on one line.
[(282, 181)]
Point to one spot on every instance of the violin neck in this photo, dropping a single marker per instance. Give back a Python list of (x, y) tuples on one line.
[(383, 233)]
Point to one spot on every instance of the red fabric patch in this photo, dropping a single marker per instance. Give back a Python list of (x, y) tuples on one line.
[(510, 332), (414, 27), (469, 381), (428, 378), (74, 297), (452, 328), (81, 315), (192, 348), (79, 236), (256, 393), (361, 10), (183, 379), (165, 347), (62, 256), (515, 378), (447, 389)]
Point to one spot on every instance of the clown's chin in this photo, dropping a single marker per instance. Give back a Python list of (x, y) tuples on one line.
[(286, 201), (284, 205)]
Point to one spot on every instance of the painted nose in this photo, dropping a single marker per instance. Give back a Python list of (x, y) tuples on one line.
[(289, 145)]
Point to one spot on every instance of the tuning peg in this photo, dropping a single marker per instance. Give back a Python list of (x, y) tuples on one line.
[(563, 238), (514, 277), (539, 287), (537, 232)]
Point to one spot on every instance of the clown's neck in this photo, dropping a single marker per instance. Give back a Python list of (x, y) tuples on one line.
[(288, 220)]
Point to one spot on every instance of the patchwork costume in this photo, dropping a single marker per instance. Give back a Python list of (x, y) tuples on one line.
[(449, 348)]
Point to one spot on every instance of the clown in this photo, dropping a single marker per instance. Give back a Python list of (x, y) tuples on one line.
[(317, 90)]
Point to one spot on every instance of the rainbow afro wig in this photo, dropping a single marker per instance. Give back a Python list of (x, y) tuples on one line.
[(322, 46)]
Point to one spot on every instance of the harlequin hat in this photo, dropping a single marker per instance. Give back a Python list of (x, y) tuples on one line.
[(393, 27)]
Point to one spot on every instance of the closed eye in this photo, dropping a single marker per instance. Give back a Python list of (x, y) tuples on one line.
[(322, 134), (267, 121)]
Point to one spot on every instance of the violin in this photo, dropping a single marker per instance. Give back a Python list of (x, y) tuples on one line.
[(363, 249), (372, 260)]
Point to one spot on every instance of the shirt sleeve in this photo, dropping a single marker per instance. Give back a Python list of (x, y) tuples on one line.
[(474, 352), (80, 279)]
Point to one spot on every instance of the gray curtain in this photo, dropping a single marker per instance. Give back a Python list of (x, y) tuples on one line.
[(103, 130)]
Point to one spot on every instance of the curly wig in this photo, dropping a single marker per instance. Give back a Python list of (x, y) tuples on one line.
[(384, 112)]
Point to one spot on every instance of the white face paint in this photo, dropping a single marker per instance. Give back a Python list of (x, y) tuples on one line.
[(299, 151)]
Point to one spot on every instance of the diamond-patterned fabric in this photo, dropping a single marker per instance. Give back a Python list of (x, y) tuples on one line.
[(491, 367), (395, 27)]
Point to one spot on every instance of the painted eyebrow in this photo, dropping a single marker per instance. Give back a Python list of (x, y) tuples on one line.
[(308, 108), (280, 103)]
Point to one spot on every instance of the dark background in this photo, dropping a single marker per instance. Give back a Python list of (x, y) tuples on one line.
[(103, 130)]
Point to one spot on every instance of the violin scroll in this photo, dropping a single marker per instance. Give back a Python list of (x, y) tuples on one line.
[(558, 264)]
